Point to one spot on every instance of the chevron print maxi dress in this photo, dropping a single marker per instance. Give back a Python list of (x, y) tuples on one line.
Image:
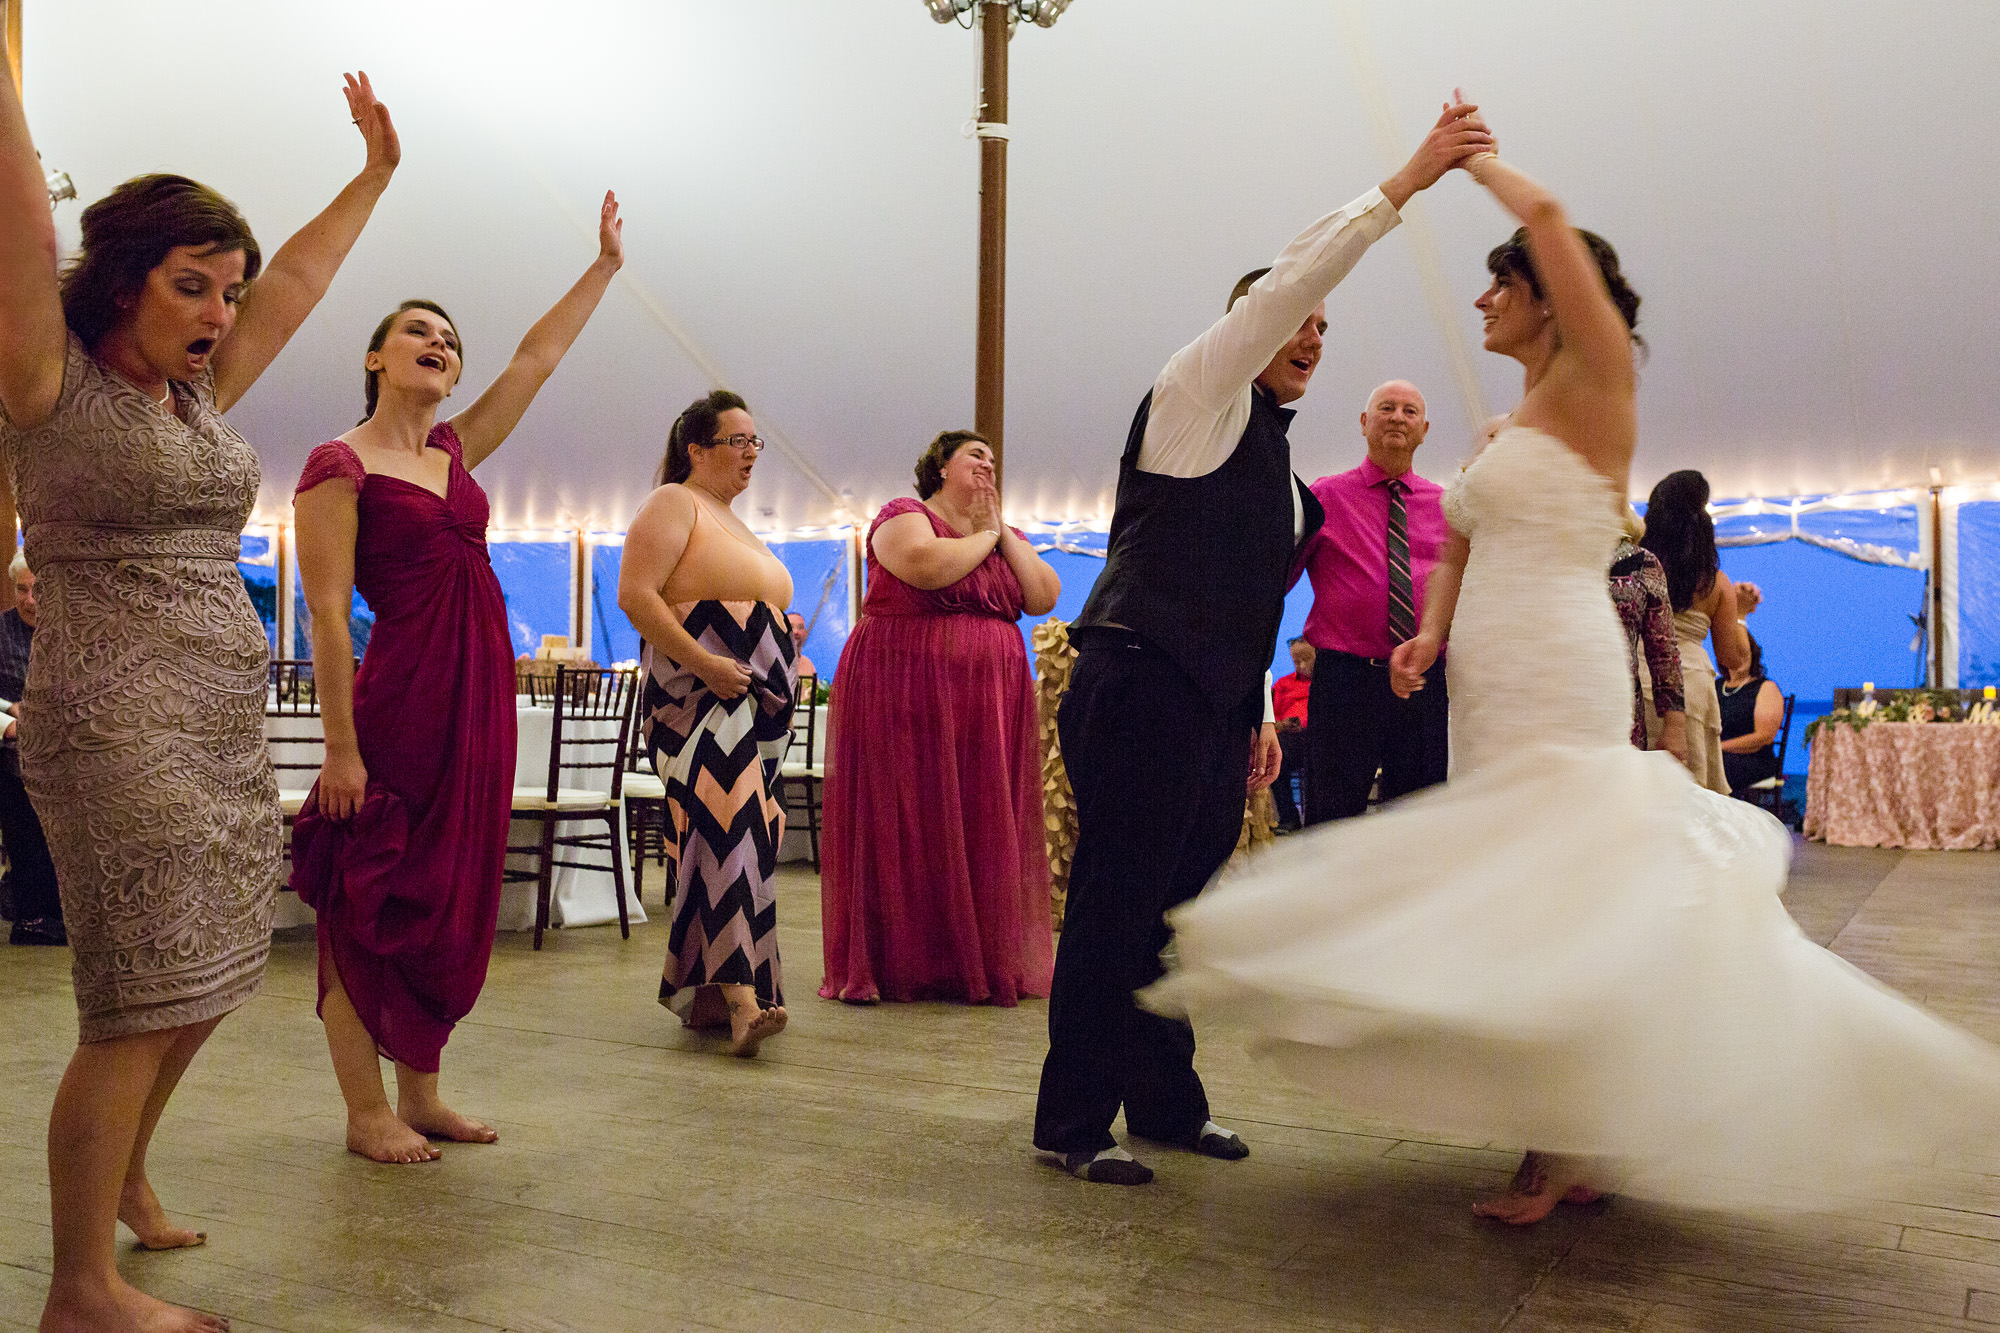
[(719, 760)]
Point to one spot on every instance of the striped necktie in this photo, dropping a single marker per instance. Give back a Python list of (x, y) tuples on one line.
[(1402, 597)]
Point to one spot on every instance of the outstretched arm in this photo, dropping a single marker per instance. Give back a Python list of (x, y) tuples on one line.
[(494, 414), (299, 274), (32, 335)]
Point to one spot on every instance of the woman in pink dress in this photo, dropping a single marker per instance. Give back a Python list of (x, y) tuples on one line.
[(401, 844), (935, 879)]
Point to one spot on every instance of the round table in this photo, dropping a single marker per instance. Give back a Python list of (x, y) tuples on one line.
[(1929, 785)]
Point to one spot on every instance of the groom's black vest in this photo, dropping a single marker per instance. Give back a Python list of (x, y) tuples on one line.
[(1197, 565)]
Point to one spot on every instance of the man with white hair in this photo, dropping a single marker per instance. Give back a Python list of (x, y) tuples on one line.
[(31, 876), (1368, 562)]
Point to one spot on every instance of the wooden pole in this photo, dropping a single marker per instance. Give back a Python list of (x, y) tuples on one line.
[(1937, 587), (12, 9), (990, 395)]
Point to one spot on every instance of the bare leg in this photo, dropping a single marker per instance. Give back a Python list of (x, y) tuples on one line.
[(750, 1023), (372, 1128), (138, 1207), (418, 1106), (93, 1130)]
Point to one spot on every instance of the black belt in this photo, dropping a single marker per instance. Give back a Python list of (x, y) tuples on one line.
[(1381, 662)]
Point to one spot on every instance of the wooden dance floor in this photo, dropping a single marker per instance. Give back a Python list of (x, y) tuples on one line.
[(872, 1171)]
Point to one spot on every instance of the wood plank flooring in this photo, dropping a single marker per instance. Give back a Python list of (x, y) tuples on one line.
[(872, 1171)]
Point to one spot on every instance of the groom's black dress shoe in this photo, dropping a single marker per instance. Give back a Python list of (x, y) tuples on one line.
[(1226, 1145)]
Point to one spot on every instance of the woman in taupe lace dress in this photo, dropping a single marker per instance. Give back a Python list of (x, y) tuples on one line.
[(141, 736)]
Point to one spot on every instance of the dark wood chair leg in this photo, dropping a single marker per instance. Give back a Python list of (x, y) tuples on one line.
[(618, 872), (545, 878), (812, 818)]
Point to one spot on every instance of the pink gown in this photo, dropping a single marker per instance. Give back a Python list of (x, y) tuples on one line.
[(934, 881), (408, 890)]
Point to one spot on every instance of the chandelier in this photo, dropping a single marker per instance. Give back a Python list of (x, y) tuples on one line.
[(1042, 13)]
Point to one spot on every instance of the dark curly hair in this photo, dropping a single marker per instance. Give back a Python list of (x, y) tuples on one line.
[(127, 235), (695, 425), (372, 379), (1512, 258), (930, 467), (1680, 532)]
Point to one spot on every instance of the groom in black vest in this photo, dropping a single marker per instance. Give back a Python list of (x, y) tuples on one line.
[(1168, 710)]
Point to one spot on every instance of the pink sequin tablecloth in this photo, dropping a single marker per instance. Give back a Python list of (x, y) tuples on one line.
[(1905, 784)]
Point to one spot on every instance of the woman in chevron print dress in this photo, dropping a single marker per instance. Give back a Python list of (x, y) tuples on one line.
[(709, 599)]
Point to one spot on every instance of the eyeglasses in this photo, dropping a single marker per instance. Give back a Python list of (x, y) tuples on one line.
[(753, 443)]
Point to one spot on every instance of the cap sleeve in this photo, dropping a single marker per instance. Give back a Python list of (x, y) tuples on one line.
[(444, 437), (902, 504), (328, 461)]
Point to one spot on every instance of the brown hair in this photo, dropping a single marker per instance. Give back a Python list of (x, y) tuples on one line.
[(1512, 258), (372, 379), (1243, 286), (127, 235), (930, 467), (695, 425)]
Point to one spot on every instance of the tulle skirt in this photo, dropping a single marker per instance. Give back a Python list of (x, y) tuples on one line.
[(1581, 951)]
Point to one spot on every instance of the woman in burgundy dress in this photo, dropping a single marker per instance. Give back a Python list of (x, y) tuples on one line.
[(935, 882), (400, 846)]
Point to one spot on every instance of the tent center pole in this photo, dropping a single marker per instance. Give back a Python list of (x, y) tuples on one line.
[(989, 401)]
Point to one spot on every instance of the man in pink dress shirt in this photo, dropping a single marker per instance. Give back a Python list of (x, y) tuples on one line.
[(1384, 525)]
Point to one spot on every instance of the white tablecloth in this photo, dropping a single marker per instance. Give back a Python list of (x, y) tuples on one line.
[(577, 897)]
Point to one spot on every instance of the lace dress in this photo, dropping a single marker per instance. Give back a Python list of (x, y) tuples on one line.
[(142, 730), (1571, 945)]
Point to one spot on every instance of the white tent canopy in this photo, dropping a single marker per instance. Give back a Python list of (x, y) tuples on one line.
[(1804, 194)]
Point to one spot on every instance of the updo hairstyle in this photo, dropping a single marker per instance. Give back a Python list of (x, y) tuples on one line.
[(695, 425), (930, 467), (127, 235), (1512, 259)]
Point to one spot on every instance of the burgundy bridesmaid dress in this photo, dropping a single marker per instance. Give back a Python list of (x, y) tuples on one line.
[(934, 882), (408, 890)]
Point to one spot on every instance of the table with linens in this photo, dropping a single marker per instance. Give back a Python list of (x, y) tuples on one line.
[(577, 897), (1932, 785)]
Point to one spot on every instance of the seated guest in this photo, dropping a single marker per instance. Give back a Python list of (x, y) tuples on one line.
[(935, 878), (798, 624), (1288, 702), (32, 876), (1753, 707)]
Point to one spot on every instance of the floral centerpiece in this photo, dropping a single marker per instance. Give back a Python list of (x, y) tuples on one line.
[(1920, 705)]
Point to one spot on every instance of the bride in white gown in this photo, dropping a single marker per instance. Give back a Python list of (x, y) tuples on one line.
[(1570, 945)]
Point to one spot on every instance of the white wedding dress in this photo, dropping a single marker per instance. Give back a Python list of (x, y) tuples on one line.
[(1570, 945)]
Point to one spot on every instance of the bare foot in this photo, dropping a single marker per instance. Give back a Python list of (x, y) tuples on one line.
[(380, 1137), (1538, 1186), (139, 1208), (439, 1121), (763, 1024), (122, 1309)]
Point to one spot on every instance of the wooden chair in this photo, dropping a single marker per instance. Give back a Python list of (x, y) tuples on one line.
[(586, 699), (645, 802), (293, 730), (800, 776), (1770, 792)]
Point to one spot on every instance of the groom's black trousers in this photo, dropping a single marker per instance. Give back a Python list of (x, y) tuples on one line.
[(1159, 773)]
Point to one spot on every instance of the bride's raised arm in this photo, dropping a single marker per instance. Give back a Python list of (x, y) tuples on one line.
[(1587, 317)]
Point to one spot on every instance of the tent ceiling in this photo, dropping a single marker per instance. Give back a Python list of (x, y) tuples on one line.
[(1803, 193)]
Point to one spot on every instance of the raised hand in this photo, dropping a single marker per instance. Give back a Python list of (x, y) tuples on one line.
[(1748, 598), (1459, 134), (611, 232), (385, 150)]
